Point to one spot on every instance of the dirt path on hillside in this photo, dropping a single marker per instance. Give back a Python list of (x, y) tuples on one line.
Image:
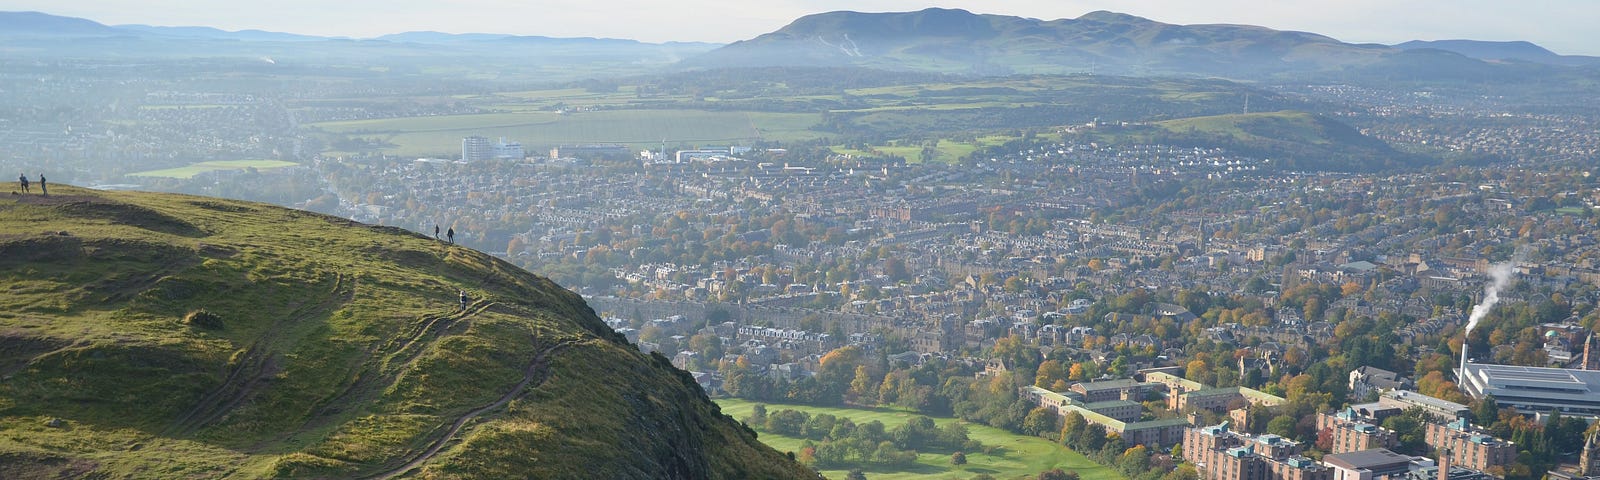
[(536, 373), (255, 367)]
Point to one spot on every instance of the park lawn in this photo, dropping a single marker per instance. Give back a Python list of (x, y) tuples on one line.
[(202, 167), (1020, 454), (639, 128)]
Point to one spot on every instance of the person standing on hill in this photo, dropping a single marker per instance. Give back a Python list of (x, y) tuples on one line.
[(463, 300), (23, 178), (435, 232), (451, 234), (42, 189)]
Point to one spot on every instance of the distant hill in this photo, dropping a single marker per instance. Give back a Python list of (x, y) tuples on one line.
[(166, 336), (213, 33), (958, 41), (36, 34), (1519, 51), (1102, 42), (36, 23)]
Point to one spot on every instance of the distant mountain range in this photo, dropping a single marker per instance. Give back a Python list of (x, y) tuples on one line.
[(1100, 42), (36, 24), (931, 40)]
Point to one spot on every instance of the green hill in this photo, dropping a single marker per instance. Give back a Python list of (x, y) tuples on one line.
[(165, 336), (948, 40), (1292, 140)]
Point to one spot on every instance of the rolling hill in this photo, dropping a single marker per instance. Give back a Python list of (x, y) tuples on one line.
[(958, 41), (166, 336), (1292, 140)]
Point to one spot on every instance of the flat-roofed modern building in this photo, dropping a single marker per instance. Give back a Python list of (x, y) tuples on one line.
[(1535, 389), (1441, 410), (1367, 464)]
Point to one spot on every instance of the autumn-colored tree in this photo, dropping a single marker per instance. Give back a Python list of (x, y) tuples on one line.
[(862, 388), (1049, 372)]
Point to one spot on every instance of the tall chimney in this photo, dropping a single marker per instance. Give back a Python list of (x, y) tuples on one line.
[(1461, 376)]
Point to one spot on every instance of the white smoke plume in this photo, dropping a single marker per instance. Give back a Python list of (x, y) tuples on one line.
[(1500, 277)]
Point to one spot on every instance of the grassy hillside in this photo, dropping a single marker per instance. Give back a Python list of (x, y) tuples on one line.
[(1017, 456), (1292, 140), (164, 336)]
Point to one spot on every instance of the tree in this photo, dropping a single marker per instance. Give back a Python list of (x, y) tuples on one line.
[(1058, 474), (1282, 425), (958, 458), (1039, 420), (862, 388), (1486, 411), (758, 416)]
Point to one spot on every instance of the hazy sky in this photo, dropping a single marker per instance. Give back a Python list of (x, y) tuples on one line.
[(1565, 26)]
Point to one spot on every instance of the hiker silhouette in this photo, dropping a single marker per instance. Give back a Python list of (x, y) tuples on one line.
[(451, 234), (23, 178)]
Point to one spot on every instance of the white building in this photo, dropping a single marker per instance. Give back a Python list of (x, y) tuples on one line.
[(509, 150), (476, 148)]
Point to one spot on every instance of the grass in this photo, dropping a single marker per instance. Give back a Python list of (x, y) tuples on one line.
[(1021, 455), (339, 353), (639, 128), (212, 166), (948, 151), (1287, 125)]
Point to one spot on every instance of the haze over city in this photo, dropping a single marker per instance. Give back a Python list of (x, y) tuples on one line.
[(1564, 26), (1024, 240)]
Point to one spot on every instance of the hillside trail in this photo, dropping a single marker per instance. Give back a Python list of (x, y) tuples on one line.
[(534, 375), (255, 367), (381, 369)]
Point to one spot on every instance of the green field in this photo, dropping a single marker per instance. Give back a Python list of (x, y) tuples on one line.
[(1297, 125), (442, 134), (1021, 454), (949, 151), (202, 167)]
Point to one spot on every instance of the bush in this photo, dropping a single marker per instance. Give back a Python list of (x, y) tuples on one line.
[(203, 319)]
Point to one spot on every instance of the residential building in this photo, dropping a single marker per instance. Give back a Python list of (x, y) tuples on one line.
[(1367, 379), (476, 148), (1470, 446), (1219, 454), (1350, 432)]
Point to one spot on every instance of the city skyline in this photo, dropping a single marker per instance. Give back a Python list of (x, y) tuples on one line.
[(1560, 27)]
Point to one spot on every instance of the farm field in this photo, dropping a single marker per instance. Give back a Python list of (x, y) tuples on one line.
[(202, 167), (640, 128), (947, 151), (1019, 455)]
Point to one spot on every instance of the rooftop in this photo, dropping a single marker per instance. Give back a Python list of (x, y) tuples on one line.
[(1109, 385), (1379, 459), (1552, 380)]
